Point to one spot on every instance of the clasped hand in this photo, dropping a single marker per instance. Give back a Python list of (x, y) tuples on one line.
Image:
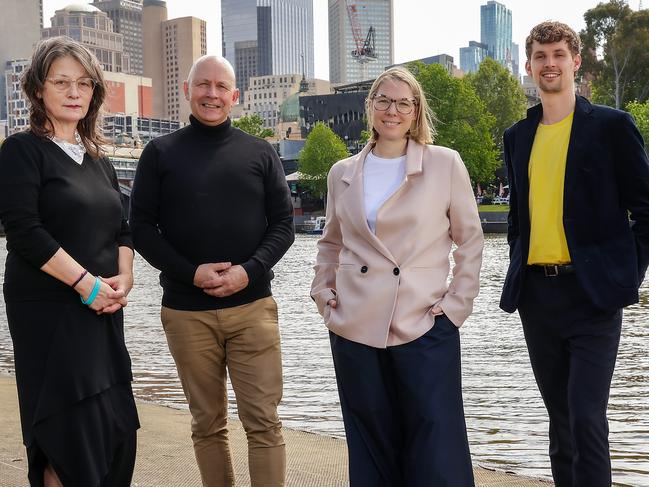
[(112, 293), (220, 279)]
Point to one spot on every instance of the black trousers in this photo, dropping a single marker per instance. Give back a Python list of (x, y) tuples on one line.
[(573, 347), (403, 412), (119, 474)]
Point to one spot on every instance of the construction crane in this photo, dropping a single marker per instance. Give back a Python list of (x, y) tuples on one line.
[(365, 48)]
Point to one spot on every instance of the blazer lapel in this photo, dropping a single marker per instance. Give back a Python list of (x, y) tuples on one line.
[(524, 140), (353, 202)]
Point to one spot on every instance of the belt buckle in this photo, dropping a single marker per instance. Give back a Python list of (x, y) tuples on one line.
[(551, 270)]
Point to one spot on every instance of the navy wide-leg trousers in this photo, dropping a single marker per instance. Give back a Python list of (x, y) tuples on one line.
[(403, 412), (572, 346)]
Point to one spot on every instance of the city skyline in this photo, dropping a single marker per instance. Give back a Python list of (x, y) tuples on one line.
[(420, 30)]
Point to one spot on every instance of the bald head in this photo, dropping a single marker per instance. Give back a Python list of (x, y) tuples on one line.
[(211, 90), (214, 60)]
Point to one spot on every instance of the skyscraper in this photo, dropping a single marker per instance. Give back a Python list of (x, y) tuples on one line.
[(170, 49), (496, 32), (22, 21), (349, 22), (472, 56), (267, 37), (92, 28), (127, 20)]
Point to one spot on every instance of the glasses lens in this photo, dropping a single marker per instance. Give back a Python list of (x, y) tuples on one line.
[(404, 106), (382, 103), (86, 84)]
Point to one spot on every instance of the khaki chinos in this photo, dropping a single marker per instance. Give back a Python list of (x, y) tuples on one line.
[(245, 340)]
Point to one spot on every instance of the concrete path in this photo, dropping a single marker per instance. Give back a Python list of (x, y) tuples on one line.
[(166, 459)]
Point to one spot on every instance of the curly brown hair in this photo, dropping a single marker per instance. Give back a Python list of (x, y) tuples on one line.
[(550, 31), (33, 82)]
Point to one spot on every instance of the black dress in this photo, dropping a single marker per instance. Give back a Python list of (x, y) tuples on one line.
[(73, 371)]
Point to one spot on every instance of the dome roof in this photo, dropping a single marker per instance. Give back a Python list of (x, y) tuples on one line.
[(80, 7), (289, 110)]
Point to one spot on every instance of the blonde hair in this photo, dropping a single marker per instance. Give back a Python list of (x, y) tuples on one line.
[(33, 82), (422, 129)]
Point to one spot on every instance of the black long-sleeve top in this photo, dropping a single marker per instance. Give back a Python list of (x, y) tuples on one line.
[(210, 194), (47, 202)]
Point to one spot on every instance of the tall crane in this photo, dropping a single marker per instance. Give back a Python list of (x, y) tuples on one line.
[(365, 48)]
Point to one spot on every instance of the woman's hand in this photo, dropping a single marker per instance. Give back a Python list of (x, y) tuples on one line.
[(120, 282), (108, 300)]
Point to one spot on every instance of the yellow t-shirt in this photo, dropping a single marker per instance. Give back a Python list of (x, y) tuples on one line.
[(546, 171)]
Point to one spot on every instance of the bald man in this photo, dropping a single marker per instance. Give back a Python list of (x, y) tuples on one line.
[(211, 209)]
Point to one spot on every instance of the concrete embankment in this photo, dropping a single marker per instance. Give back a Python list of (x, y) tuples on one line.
[(166, 459)]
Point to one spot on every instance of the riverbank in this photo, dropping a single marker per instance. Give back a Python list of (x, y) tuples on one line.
[(165, 455)]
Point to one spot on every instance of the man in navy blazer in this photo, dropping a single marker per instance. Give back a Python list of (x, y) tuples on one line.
[(577, 172)]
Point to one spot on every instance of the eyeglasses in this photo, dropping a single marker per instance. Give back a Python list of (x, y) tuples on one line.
[(404, 106), (84, 85)]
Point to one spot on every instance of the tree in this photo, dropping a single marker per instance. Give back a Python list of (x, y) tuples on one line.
[(501, 94), (615, 53), (463, 122), (321, 150), (640, 112), (254, 125)]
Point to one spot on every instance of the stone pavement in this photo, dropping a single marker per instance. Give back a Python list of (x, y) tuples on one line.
[(165, 457)]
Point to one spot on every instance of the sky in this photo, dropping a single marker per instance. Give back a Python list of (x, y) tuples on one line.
[(422, 28)]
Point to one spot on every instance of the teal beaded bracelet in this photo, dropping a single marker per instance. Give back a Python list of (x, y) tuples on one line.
[(93, 293)]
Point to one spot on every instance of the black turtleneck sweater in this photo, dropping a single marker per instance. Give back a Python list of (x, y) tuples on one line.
[(210, 194)]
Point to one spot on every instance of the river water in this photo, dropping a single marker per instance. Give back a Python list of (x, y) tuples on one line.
[(506, 420)]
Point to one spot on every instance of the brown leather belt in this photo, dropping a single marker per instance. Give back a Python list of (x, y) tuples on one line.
[(553, 270)]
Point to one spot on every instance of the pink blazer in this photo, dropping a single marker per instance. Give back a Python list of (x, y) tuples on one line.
[(386, 284)]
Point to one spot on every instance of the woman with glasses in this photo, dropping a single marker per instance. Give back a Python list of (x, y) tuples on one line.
[(67, 276), (393, 212)]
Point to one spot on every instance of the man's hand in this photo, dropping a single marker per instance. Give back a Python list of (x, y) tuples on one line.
[(230, 281), (207, 275)]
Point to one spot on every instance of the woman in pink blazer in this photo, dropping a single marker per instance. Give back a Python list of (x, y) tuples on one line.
[(381, 284)]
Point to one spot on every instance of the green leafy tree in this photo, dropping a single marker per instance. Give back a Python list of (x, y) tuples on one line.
[(254, 125), (615, 53), (640, 112), (463, 122), (365, 136), (501, 94), (321, 150)]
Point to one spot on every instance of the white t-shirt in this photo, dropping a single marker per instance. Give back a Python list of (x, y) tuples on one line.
[(381, 178)]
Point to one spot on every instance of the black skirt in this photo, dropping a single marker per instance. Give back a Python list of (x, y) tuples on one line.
[(74, 378)]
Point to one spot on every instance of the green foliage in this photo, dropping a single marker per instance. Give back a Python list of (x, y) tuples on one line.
[(463, 122), (640, 112), (254, 125), (365, 136), (321, 150), (615, 53), (501, 94)]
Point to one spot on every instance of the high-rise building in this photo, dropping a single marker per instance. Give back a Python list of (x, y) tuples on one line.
[(91, 27), (22, 21), (267, 37), (472, 56), (170, 49), (17, 106), (496, 32), (515, 60), (349, 22), (127, 20)]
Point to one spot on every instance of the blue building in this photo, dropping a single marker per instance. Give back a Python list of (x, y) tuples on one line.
[(471, 57), (496, 32)]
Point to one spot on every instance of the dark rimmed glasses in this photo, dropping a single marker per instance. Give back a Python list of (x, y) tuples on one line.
[(404, 106), (84, 85)]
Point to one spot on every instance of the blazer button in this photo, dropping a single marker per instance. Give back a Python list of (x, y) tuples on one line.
[(363, 269), (395, 271)]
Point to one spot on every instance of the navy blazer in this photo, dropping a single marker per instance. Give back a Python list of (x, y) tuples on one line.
[(606, 182)]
